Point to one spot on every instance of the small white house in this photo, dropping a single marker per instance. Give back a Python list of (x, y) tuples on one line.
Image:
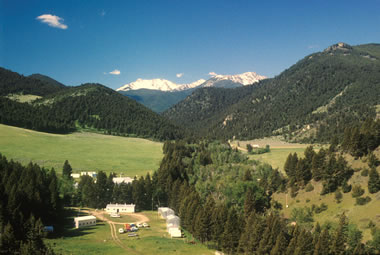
[(85, 221), (175, 232), (92, 174), (118, 180), (120, 208), (75, 176)]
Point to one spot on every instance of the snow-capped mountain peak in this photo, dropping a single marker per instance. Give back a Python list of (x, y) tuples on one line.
[(244, 78), (216, 80), (159, 84)]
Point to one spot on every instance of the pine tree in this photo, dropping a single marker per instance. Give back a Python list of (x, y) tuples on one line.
[(231, 233), (373, 181), (338, 245), (281, 244), (67, 170), (321, 247), (304, 244)]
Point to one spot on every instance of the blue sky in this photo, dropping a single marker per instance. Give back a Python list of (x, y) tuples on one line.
[(77, 41)]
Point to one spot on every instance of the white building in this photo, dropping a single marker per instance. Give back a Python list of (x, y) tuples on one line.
[(85, 221), (120, 208), (118, 180), (165, 212), (75, 176), (175, 232), (92, 174)]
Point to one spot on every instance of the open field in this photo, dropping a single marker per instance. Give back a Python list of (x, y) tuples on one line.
[(98, 239), (85, 151), (279, 150)]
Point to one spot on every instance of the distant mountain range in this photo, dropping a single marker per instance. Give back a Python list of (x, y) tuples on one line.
[(314, 100), (160, 94)]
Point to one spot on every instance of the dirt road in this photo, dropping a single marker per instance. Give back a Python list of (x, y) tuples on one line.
[(114, 230)]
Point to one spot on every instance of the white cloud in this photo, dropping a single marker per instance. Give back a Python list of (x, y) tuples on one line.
[(179, 75), (115, 72), (52, 20), (212, 74), (103, 13)]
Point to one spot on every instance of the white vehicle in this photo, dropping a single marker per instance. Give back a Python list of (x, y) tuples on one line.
[(140, 225), (145, 225), (134, 229), (121, 231), (115, 215)]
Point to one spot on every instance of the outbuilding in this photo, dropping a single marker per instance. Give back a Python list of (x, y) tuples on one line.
[(165, 212), (85, 221), (175, 232), (120, 208)]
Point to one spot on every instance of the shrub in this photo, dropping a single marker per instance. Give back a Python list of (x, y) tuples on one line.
[(307, 200), (357, 191), (346, 187), (363, 200), (364, 172), (321, 208), (338, 196), (309, 187)]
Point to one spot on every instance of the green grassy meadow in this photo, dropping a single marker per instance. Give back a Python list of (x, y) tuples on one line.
[(279, 150), (85, 151), (97, 240), (277, 156)]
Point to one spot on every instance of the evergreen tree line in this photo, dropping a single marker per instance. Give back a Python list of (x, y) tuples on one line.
[(29, 200), (361, 139), (323, 166)]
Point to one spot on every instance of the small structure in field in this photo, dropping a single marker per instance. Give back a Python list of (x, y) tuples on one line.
[(120, 208), (85, 221), (175, 232), (92, 174), (165, 212), (172, 221), (75, 176)]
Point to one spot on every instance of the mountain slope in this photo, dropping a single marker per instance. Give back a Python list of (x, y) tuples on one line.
[(46, 79), (87, 106), (157, 100), (289, 102), (12, 83)]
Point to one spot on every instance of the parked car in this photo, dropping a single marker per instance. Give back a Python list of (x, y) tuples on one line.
[(121, 230), (145, 225), (140, 225), (134, 229)]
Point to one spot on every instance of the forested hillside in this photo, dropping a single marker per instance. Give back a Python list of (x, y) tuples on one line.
[(314, 100), (60, 109), (157, 100)]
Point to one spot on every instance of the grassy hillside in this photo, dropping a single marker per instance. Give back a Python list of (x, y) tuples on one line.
[(85, 151), (279, 150)]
